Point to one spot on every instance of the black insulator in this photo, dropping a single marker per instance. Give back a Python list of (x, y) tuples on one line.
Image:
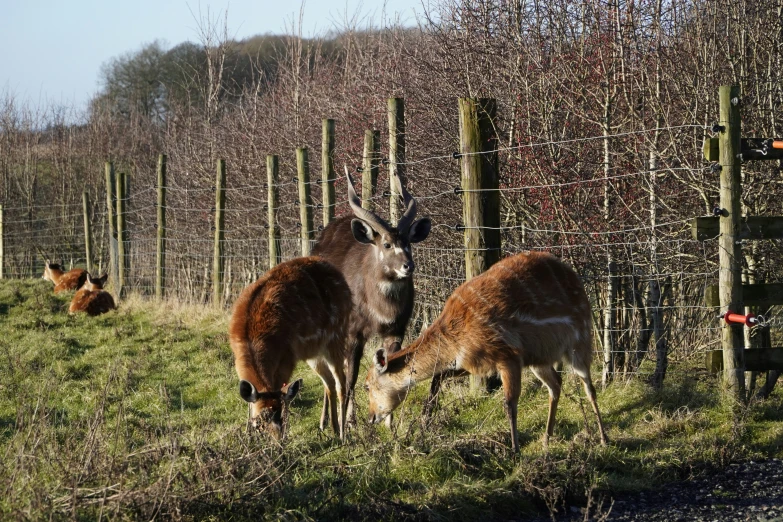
[(295, 179), (298, 225), (718, 212), (212, 210), (718, 128), (456, 155), (266, 207), (385, 161), (458, 190), (359, 169), (386, 193), (320, 228), (716, 168), (459, 227)]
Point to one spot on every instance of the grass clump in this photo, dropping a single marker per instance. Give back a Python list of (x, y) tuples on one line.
[(135, 414)]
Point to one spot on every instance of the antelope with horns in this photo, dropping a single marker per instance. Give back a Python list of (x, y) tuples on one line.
[(64, 281), (297, 311), (377, 262), (526, 310), (91, 297)]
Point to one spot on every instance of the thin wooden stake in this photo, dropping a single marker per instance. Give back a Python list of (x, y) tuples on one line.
[(121, 233), (272, 175), (305, 207), (160, 258), (327, 170), (111, 213), (218, 262), (396, 110), (87, 231), (370, 164), (2, 245)]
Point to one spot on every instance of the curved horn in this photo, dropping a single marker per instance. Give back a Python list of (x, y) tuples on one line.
[(362, 213), (408, 202)]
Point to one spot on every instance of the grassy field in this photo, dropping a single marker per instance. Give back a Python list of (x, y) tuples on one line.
[(136, 415)]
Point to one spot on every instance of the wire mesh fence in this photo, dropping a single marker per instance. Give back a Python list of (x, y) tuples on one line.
[(596, 218)]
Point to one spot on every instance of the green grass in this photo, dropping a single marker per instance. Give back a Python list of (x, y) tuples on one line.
[(135, 415)]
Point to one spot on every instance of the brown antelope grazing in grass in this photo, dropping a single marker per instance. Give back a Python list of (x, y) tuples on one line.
[(526, 310), (91, 297), (298, 311), (376, 260), (63, 281)]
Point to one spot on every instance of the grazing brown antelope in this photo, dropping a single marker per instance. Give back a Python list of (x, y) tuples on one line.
[(63, 281), (298, 311), (526, 310), (377, 262), (91, 297)]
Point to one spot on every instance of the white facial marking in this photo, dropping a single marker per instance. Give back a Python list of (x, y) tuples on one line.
[(389, 288), (397, 250), (401, 274)]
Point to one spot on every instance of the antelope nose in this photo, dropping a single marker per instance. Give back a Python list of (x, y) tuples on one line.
[(371, 418), (408, 266)]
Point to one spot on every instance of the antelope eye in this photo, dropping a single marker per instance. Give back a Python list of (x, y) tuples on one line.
[(386, 245)]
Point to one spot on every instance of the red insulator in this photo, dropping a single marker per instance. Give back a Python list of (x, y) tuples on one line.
[(748, 320)]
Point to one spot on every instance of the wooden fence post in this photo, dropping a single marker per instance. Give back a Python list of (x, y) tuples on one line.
[(111, 214), (2, 245), (218, 263), (122, 262), (327, 170), (730, 278), (370, 162), (396, 109), (305, 208), (480, 185), (160, 258), (272, 175), (87, 231)]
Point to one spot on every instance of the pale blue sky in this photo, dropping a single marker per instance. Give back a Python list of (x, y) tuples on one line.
[(51, 51)]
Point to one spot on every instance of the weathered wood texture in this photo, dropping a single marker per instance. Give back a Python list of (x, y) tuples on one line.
[(730, 278), (160, 250), (756, 360), (272, 175), (371, 160), (327, 170), (760, 294), (750, 227), (87, 231), (218, 260), (305, 204)]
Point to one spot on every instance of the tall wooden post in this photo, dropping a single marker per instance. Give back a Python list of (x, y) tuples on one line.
[(122, 262), (160, 258), (305, 208), (327, 170), (2, 245), (218, 263), (111, 214), (730, 278), (370, 162), (272, 175), (480, 183), (87, 231), (396, 111)]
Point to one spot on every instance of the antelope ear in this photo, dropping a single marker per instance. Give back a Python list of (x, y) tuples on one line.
[(292, 390), (380, 360), (362, 231), (419, 230), (102, 280), (247, 391)]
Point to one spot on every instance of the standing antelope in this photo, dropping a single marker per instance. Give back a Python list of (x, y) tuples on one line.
[(91, 297), (63, 281), (526, 310), (297, 311), (376, 260)]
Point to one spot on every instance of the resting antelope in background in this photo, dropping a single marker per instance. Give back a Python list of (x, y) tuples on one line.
[(377, 263), (298, 311), (91, 297), (63, 281), (526, 310)]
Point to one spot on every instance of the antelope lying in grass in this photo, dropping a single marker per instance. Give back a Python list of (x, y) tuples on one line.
[(298, 311), (526, 310), (377, 263), (91, 297), (64, 281)]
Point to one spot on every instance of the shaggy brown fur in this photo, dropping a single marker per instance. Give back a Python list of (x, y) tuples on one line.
[(91, 298), (298, 310), (526, 310), (64, 281)]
